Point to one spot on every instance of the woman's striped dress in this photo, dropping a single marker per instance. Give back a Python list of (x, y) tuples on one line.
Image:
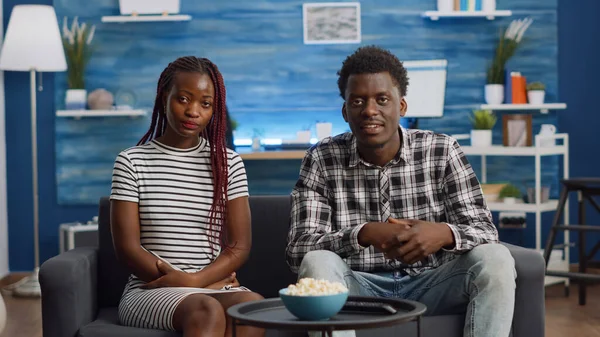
[(174, 190)]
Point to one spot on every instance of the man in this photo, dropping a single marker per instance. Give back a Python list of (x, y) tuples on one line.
[(398, 213)]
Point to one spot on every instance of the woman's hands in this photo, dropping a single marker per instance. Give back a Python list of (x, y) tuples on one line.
[(172, 277)]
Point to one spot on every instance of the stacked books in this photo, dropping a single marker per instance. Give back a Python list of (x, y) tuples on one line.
[(515, 88)]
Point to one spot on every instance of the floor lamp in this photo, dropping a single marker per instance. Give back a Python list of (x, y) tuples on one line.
[(33, 43)]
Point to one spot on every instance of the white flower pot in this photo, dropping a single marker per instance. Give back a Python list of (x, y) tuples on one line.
[(445, 6), (494, 93), (323, 130), (128, 7), (481, 138), (509, 200), (536, 96), (75, 99), (488, 5)]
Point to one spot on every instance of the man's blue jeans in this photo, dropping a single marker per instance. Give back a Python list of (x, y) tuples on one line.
[(480, 283)]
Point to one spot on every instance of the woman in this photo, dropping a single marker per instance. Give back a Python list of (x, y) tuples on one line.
[(179, 210)]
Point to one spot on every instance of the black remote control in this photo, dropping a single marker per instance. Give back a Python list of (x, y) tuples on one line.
[(371, 307)]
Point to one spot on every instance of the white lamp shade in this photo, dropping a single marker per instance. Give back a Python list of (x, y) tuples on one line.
[(33, 40)]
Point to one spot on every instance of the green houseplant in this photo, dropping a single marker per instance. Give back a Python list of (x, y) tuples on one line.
[(509, 41), (483, 122), (536, 93), (77, 42), (510, 193)]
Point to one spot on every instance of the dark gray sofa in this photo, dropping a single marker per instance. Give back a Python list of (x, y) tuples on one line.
[(81, 288)]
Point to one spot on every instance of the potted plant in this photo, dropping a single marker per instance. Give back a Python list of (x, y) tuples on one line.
[(536, 92), (483, 121), (508, 43), (509, 194), (77, 42)]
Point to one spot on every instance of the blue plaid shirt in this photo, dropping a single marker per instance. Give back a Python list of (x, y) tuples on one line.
[(337, 193)]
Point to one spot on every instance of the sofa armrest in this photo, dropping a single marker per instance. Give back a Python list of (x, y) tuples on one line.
[(529, 316), (68, 283)]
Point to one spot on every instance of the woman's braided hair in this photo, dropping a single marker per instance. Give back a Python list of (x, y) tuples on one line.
[(214, 132)]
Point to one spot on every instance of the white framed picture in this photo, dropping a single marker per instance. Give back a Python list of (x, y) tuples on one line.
[(331, 22)]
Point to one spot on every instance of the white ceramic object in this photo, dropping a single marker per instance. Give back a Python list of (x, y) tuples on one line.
[(494, 93), (323, 130), (545, 131), (536, 96), (303, 136), (128, 7), (75, 99), (488, 5), (509, 200), (2, 314), (481, 138), (445, 6)]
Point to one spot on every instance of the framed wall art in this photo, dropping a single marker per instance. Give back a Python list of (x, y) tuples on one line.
[(331, 22), (517, 130)]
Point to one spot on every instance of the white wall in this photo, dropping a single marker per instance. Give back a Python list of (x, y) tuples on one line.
[(3, 211)]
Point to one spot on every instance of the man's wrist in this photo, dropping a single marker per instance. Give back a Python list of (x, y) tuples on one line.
[(363, 236), (448, 236)]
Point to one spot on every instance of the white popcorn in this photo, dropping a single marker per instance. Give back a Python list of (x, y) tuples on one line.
[(312, 287)]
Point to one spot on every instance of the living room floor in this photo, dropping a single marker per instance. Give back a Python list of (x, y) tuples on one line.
[(564, 315)]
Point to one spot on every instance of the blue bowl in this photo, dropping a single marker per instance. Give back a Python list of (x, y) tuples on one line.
[(313, 308)]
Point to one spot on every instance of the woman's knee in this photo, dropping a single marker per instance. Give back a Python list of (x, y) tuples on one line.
[(200, 311)]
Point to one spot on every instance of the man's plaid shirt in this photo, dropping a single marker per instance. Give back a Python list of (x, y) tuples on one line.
[(429, 179)]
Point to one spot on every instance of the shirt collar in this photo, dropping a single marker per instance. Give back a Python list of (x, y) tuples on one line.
[(404, 153)]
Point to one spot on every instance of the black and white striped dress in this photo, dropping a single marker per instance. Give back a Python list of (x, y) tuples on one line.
[(174, 190)]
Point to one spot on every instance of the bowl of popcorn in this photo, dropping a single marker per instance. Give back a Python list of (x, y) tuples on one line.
[(314, 300)]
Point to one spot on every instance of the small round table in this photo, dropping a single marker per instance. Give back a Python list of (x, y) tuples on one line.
[(272, 314)]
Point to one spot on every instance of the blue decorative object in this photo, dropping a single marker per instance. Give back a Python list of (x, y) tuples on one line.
[(313, 308)]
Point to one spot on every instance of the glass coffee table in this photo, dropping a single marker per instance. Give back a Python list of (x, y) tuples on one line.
[(366, 313)]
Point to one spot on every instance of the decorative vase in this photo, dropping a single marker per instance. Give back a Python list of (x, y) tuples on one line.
[(303, 136), (100, 99), (323, 130), (76, 99), (445, 6), (481, 138), (494, 93), (536, 96), (488, 5)]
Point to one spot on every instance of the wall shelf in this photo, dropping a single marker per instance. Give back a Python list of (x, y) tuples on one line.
[(490, 15), (77, 114), (500, 150), (146, 18), (543, 108), (548, 206)]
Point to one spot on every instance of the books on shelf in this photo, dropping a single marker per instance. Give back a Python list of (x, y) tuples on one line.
[(466, 5)]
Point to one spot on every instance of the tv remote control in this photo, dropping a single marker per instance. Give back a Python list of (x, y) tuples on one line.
[(372, 307)]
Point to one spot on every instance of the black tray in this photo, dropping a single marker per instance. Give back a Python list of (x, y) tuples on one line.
[(271, 313)]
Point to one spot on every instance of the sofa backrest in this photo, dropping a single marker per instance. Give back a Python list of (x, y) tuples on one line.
[(265, 272)]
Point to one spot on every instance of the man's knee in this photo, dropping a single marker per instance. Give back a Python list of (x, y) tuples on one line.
[(318, 262), (496, 261)]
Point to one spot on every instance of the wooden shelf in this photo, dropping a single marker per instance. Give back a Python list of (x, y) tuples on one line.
[(490, 15), (145, 18), (273, 155), (77, 114), (544, 108)]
